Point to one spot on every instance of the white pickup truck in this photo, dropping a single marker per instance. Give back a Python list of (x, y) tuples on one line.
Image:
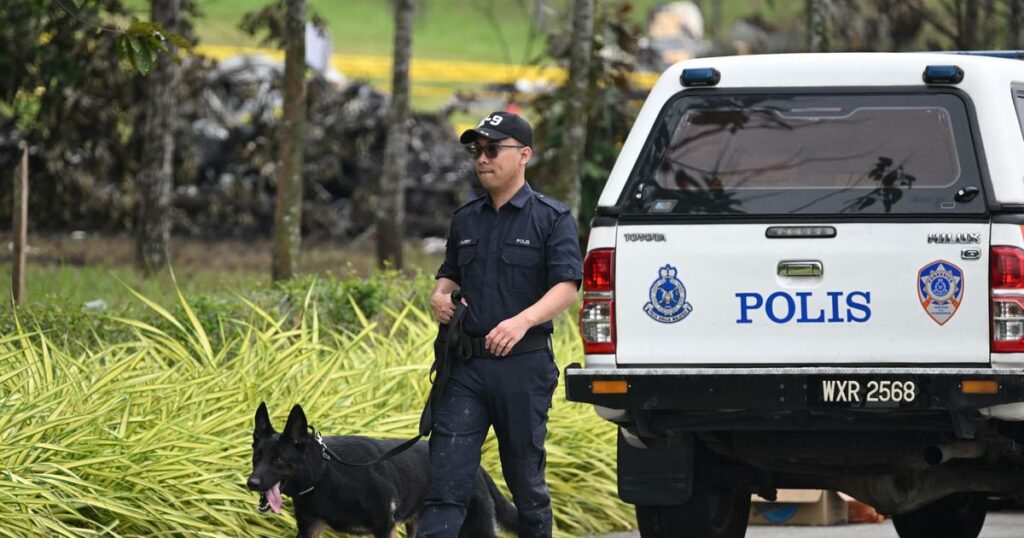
[(807, 271)]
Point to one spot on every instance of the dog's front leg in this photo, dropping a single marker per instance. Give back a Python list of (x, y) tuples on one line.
[(310, 529), (386, 532)]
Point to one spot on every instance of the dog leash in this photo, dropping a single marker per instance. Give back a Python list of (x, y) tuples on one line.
[(455, 341)]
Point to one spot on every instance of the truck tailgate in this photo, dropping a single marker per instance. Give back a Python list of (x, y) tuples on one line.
[(881, 293)]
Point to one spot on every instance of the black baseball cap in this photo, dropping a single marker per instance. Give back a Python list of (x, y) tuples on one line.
[(500, 125)]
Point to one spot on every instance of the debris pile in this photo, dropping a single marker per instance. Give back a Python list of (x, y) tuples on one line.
[(225, 161)]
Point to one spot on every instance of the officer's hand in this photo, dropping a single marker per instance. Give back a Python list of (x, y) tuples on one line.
[(443, 307), (507, 334)]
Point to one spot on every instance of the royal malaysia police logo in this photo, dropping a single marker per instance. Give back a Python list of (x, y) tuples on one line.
[(940, 287), (667, 297)]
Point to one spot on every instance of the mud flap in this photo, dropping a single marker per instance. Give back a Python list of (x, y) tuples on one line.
[(660, 475)]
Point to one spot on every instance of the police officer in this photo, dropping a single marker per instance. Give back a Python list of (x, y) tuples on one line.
[(514, 255)]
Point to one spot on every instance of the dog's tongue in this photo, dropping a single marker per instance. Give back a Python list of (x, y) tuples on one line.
[(274, 498)]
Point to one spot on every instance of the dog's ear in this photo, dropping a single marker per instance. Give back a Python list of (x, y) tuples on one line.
[(296, 428), (263, 427)]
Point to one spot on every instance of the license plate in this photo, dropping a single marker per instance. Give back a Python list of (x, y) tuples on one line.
[(864, 391)]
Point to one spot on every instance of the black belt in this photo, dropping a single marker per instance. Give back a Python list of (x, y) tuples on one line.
[(530, 342)]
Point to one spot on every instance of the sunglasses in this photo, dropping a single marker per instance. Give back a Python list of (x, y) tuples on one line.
[(490, 150)]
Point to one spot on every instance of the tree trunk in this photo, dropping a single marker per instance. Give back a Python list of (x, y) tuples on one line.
[(19, 226), (390, 213), (288, 211), (1015, 32), (819, 20), (568, 180), (988, 25), (716, 20), (540, 14), (882, 37), (156, 176), (969, 15)]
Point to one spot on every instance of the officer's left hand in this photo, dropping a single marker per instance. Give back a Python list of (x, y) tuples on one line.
[(505, 336)]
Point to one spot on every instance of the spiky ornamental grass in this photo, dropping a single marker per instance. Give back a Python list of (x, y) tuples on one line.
[(152, 436)]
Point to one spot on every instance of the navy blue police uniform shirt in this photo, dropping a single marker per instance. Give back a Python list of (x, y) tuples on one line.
[(505, 261)]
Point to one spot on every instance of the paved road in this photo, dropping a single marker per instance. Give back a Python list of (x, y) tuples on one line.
[(997, 525)]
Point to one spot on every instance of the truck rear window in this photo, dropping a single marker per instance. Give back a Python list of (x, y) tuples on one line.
[(807, 154)]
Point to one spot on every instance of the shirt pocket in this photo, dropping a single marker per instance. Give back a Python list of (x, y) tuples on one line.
[(466, 255), (523, 267)]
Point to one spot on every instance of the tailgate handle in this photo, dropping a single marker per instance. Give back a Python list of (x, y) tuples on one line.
[(801, 268)]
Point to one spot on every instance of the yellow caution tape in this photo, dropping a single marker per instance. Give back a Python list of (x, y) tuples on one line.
[(424, 70)]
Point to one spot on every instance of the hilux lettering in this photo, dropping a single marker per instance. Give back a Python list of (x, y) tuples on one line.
[(957, 238), (800, 307)]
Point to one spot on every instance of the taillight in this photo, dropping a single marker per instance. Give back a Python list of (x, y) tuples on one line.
[(1006, 277), (597, 271), (597, 315)]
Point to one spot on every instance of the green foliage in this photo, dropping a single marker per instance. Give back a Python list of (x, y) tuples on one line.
[(151, 435), (67, 325), (69, 95), (343, 301), (269, 21), (142, 42)]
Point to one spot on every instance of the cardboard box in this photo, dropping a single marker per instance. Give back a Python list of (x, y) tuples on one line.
[(799, 507)]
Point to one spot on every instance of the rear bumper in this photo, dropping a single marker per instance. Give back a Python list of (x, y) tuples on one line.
[(787, 389)]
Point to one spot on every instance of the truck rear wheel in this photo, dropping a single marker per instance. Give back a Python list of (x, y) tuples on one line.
[(712, 515), (958, 516)]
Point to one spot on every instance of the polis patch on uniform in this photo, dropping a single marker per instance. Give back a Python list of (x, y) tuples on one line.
[(667, 297), (940, 288)]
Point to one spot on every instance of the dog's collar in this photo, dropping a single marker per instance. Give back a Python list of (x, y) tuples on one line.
[(316, 471), (325, 453)]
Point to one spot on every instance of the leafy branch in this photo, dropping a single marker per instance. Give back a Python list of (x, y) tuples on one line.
[(140, 44), (270, 21)]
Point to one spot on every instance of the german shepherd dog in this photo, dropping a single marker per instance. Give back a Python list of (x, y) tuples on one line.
[(357, 500)]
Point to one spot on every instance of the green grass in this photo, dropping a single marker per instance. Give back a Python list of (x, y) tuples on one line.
[(68, 273), (448, 29), (73, 286)]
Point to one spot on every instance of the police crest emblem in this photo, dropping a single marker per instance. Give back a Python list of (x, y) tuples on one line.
[(667, 297), (940, 287)]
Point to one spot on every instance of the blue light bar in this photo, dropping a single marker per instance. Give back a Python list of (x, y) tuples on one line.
[(703, 76), (943, 74)]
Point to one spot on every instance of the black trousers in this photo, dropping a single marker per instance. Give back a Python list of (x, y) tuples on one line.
[(512, 394)]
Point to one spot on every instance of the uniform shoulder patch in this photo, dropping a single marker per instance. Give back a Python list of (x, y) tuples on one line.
[(469, 203), (551, 202)]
